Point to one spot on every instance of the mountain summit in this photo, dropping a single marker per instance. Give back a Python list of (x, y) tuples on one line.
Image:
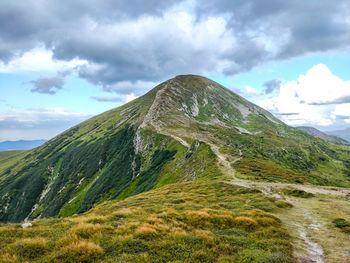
[(186, 128)]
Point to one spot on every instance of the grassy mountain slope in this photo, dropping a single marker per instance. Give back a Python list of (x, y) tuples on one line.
[(10, 158), (197, 221), (344, 134), (179, 131), (317, 133), (5, 155), (186, 222)]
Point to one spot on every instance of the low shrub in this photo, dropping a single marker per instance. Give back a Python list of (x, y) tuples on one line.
[(222, 221), (197, 218), (146, 230), (248, 256), (342, 224), (272, 232), (30, 248), (298, 193), (245, 222), (84, 252), (87, 230), (97, 220)]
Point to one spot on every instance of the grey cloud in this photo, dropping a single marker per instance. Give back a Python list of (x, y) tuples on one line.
[(93, 30), (298, 27), (27, 24), (21, 27), (48, 84), (247, 54), (341, 100), (318, 33), (272, 85)]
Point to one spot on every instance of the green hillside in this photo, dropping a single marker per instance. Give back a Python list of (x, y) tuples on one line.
[(185, 222), (317, 133), (187, 128)]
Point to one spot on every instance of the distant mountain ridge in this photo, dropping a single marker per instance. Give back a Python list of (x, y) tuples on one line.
[(20, 145), (344, 134), (185, 129), (319, 134)]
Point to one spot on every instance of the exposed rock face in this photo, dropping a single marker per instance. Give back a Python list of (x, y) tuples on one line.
[(26, 225)]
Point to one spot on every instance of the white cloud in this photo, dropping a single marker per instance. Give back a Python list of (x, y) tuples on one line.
[(40, 114), (130, 97), (37, 123), (341, 110), (120, 98), (251, 92), (38, 59), (311, 99), (320, 86), (124, 87)]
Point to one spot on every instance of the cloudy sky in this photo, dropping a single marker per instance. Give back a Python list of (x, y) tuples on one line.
[(63, 61)]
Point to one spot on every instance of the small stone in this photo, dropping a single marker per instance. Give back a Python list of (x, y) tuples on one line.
[(25, 225)]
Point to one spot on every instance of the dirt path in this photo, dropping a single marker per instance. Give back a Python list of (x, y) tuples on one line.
[(306, 224), (310, 229), (314, 250), (309, 221), (227, 169), (314, 189), (224, 161)]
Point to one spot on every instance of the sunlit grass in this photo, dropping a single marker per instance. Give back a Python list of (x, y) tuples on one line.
[(188, 222)]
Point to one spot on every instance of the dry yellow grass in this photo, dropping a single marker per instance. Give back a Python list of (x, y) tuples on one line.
[(146, 229), (86, 230), (81, 251), (204, 234), (156, 227), (155, 220), (245, 222), (30, 248)]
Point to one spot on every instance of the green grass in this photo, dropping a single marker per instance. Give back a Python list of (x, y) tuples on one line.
[(296, 158), (7, 154), (187, 222), (10, 158)]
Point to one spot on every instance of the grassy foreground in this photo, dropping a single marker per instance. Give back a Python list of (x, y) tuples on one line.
[(187, 222)]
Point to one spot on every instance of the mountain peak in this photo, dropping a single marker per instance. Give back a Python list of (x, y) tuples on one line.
[(188, 99), (190, 77), (186, 128), (191, 82)]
